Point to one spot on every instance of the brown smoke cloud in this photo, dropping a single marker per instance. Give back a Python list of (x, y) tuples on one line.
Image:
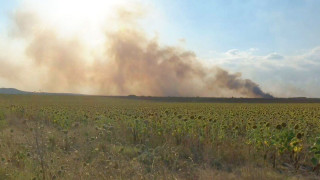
[(131, 64), (65, 68), (9, 71)]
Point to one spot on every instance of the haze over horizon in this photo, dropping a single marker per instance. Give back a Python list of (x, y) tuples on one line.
[(162, 48)]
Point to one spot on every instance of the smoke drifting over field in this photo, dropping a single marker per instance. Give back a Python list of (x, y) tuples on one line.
[(131, 63)]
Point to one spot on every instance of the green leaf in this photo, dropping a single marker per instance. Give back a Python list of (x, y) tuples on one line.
[(314, 161), (317, 152)]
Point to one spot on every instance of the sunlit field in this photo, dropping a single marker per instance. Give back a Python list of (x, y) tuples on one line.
[(88, 137)]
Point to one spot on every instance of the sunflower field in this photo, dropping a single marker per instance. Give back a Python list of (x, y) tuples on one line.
[(91, 137)]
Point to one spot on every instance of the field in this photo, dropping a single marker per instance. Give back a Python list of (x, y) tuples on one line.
[(88, 137)]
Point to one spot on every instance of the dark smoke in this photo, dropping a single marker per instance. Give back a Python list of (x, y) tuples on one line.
[(244, 86), (132, 64)]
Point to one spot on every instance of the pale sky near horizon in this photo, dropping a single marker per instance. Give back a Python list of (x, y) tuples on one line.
[(274, 43)]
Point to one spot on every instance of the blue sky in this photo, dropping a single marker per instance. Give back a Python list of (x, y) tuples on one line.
[(276, 43), (286, 26), (6, 7)]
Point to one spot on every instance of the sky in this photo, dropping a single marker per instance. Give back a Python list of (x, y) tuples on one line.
[(276, 44)]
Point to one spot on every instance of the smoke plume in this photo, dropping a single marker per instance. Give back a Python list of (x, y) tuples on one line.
[(7, 71), (131, 63)]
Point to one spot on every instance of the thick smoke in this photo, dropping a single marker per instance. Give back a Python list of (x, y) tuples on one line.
[(131, 64)]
